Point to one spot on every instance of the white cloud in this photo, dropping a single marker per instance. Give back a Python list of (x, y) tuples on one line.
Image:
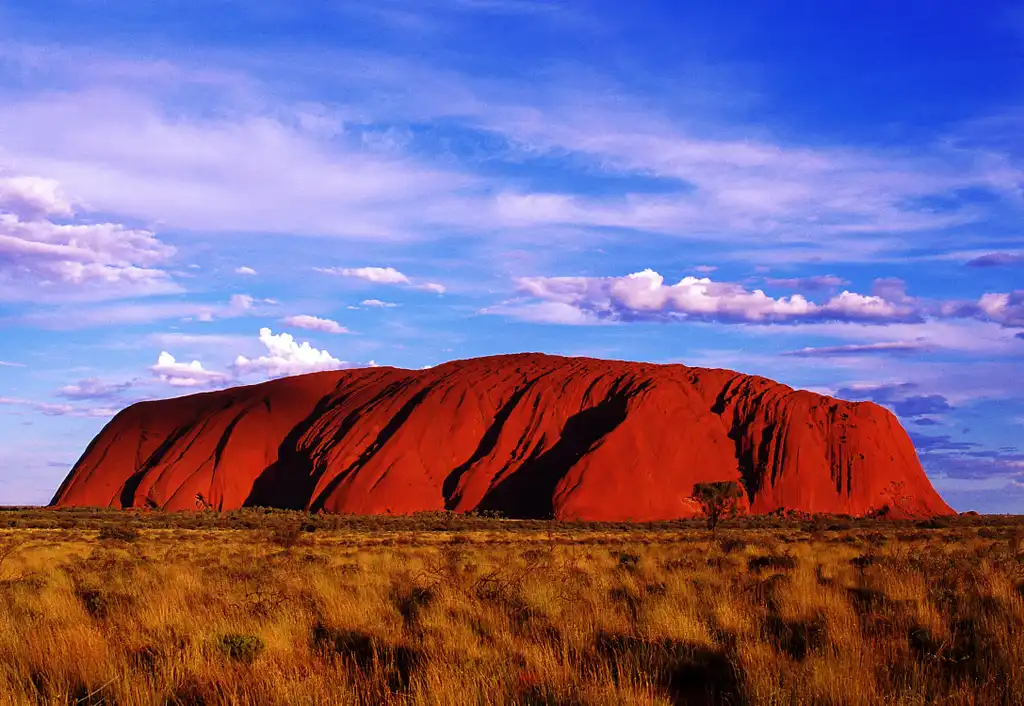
[(377, 275), (32, 198), (314, 323), (378, 304), (170, 371), (7, 364), (41, 259), (287, 357), (645, 295), (245, 271), (1006, 308), (381, 275)]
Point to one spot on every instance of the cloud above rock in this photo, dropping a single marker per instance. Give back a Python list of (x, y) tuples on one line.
[(286, 356), (177, 374)]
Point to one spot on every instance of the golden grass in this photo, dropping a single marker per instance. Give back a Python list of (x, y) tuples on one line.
[(862, 614)]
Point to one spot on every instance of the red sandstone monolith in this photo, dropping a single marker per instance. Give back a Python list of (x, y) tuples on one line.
[(529, 435)]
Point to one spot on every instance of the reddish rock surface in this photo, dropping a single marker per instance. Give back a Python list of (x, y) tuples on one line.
[(530, 435)]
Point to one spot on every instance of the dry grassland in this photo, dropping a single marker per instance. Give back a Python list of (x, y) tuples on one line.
[(113, 609)]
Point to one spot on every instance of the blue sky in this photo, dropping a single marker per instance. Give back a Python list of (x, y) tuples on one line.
[(196, 195)]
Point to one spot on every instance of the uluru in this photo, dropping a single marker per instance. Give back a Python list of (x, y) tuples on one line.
[(528, 435)]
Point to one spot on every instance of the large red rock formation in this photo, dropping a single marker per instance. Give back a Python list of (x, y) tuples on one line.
[(529, 435)]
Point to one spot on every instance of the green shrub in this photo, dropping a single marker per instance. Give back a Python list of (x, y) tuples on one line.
[(718, 500), (241, 647)]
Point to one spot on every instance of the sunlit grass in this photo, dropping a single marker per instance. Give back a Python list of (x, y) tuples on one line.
[(498, 613)]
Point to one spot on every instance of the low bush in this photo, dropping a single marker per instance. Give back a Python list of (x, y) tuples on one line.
[(118, 533), (241, 647)]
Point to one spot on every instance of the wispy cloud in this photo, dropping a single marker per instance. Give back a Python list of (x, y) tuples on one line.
[(314, 323), (94, 389), (120, 151), (381, 275), (46, 408), (309, 168), (964, 336), (884, 347), (51, 409), (997, 259), (214, 341), (816, 283), (127, 314)]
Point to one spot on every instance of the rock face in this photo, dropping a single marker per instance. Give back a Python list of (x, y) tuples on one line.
[(529, 435)]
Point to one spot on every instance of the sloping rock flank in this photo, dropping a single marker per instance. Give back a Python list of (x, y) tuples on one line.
[(529, 435)]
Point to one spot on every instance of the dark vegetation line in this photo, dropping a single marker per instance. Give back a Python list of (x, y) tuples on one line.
[(446, 521)]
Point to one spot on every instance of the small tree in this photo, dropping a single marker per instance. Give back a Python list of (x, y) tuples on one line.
[(718, 500)]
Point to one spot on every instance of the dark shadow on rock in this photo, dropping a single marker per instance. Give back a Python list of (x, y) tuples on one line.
[(382, 438), (288, 483), (529, 492), (486, 446)]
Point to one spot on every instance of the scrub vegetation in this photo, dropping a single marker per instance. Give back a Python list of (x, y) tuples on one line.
[(265, 607)]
